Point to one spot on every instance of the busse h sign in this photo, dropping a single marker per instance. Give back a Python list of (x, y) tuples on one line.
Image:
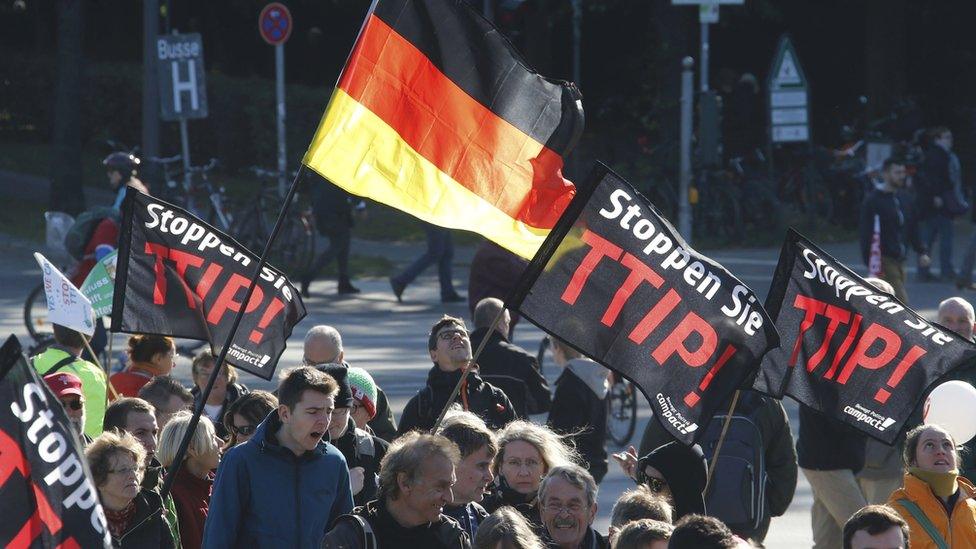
[(274, 23), (182, 87)]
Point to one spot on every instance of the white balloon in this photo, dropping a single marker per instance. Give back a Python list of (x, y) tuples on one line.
[(952, 406)]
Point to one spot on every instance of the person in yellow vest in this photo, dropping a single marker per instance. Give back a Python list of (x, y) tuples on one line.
[(65, 356), (936, 502)]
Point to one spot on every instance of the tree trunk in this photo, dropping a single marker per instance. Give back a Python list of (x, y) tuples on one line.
[(66, 193), (886, 54)]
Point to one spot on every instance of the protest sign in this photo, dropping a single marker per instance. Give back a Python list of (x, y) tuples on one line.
[(849, 350), (47, 497), (66, 305), (180, 277), (99, 285), (615, 281)]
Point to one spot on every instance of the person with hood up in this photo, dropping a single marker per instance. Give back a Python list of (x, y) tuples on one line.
[(579, 407), (677, 472)]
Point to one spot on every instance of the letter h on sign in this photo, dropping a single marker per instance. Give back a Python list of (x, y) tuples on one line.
[(182, 84)]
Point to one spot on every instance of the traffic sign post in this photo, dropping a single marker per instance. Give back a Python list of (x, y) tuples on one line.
[(789, 97), (182, 86), (274, 25)]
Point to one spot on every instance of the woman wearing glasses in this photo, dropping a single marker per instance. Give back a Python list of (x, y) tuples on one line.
[(526, 452), (245, 414), (116, 463)]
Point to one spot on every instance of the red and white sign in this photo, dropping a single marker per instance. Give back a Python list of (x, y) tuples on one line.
[(275, 23)]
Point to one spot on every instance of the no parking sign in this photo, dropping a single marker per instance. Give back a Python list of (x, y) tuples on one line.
[(275, 23)]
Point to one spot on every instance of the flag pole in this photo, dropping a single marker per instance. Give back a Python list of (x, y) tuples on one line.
[(721, 440), (464, 373), (198, 408), (111, 389)]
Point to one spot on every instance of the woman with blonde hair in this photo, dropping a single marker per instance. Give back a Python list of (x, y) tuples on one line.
[(938, 504), (194, 480), (526, 452), (116, 461)]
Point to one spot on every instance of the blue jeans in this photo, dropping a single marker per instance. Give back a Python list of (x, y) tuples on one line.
[(966, 271), (941, 226), (440, 250)]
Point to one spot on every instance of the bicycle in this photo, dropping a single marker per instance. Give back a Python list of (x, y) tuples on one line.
[(294, 248)]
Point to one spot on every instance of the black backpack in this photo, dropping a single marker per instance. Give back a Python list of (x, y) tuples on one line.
[(80, 233), (737, 492)]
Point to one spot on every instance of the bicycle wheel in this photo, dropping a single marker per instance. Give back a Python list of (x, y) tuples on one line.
[(294, 247), (621, 412), (35, 314)]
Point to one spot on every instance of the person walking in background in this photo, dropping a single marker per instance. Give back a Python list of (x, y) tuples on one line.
[(899, 227), (333, 209), (440, 250), (940, 200)]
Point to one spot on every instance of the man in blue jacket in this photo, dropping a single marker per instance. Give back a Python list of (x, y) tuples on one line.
[(285, 486)]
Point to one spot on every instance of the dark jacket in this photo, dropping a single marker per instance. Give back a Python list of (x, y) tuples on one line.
[(148, 527), (513, 370), (234, 392), (494, 272), (501, 495), (581, 413), (383, 423), (592, 540), (899, 225), (332, 207), (476, 395), (779, 454), (446, 533), (825, 444), (934, 181), (266, 496), (362, 449), (152, 481), (469, 516)]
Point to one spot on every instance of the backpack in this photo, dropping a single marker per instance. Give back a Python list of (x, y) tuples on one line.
[(81, 231), (737, 492)]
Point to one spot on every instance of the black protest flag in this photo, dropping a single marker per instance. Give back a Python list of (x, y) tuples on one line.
[(849, 350), (616, 281), (178, 276), (47, 498)]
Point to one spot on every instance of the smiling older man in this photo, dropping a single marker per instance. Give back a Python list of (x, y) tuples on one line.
[(567, 506)]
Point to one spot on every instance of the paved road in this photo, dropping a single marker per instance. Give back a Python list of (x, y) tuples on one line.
[(388, 338)]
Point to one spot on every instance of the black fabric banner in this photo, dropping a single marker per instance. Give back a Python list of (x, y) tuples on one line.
[(178, 276), (47, 498), (617, 282), (849, 350)]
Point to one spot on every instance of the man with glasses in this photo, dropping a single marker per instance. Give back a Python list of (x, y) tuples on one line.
[(363, 451), (450, 350), (567, 506), (323, 345)]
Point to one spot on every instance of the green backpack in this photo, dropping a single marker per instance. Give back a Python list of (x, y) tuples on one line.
[(78, 236)]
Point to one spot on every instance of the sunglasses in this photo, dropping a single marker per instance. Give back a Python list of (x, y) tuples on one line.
[(75, 404), (244, 430)]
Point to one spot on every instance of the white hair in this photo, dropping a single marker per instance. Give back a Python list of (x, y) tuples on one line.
[(325, 335), (966, 306)]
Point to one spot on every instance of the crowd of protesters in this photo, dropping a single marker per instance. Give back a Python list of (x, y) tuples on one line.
[(305, 467)]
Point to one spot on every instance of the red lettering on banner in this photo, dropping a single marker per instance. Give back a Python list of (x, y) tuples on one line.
[(675, 342), (639, 272), (653, 318), (207, 280), (275, 307), (692, 398), (600, 248), (842, 350), (159, 287), (911, 357), (837, 316), (184, 260), (812, 308), (860, 357), (225, 300)]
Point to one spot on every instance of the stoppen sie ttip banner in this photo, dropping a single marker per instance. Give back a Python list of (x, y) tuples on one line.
[(617, 282), (180, 277), (47, 497), (849, 350)]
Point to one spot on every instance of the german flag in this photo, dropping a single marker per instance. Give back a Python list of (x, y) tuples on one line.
[(437, 115)]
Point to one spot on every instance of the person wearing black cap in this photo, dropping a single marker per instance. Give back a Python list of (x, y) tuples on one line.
[(677, 472), (363, 451)]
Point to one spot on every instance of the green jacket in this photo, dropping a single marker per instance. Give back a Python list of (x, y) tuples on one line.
[(94, 384)]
